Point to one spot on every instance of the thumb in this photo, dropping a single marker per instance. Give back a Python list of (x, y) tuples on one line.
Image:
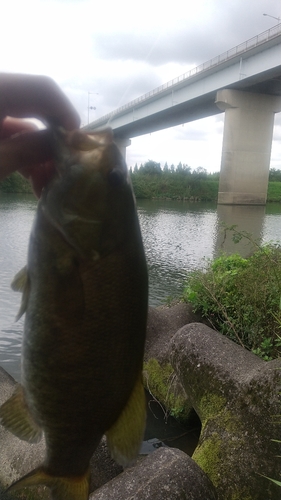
[(25, 150)]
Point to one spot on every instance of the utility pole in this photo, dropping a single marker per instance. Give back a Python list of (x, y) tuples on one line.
[(90, 107)]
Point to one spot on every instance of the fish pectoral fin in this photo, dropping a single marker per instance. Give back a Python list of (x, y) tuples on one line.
[(20, 283), (20, 280), (15, 416), (63, 488), (124, 438)]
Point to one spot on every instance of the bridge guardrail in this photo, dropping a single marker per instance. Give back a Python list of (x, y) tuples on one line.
[(221, 58)]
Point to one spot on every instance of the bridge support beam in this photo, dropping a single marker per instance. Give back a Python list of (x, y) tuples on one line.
[(122, 143), (247, 139)]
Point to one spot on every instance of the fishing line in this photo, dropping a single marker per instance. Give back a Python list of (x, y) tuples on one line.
[(129, 86)]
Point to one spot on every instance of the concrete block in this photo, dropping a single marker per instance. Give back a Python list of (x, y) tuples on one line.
[(166, 474), (237, 397)]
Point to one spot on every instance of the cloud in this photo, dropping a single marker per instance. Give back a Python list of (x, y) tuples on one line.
[(184, 33), (121, 51), (115, 82), (195, 144)]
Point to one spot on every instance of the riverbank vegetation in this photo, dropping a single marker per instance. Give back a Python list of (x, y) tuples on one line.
[(241, 298), (15, 183), (177, 183), (180, 182)]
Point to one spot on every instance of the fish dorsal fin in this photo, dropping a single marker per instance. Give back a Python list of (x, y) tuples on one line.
[(16, 417), (20, 283), (63, 488), (124, 438)]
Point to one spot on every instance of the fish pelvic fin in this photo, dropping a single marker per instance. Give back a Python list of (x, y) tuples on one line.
[(20, 283), (62, 488), (124, 438), (15, 416)]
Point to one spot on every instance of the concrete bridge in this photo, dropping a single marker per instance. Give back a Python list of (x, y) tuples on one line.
[(245, 83)]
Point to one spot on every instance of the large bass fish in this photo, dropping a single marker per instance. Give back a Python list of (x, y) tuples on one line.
[(85, 299)]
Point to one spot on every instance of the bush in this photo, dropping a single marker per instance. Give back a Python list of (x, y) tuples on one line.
[(241, 298), (274, 192), (15, 183)]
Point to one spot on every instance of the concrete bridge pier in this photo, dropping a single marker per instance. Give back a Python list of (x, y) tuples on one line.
[(247, 139), (122, 143)]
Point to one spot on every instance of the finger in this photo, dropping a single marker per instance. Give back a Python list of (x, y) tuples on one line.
[(25, 150), (36, 96), (11, 126)]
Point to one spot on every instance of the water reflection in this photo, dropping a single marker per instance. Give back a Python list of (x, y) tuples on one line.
[(163, 430), (247, 218), (16, 216), (272, 224), (177, 237)]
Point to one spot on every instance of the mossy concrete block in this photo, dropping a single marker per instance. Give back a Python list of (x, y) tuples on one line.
[(163, 385), (17, 457), (166, 474), (159, 377), (236, 396), (162, 323)]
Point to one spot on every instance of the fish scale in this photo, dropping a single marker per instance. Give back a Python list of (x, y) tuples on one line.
[(85, 292)]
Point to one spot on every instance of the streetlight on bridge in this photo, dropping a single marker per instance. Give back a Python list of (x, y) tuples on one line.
[(90, 107), (273, 17)]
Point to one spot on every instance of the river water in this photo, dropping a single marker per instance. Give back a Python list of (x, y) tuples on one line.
[(178, 237)]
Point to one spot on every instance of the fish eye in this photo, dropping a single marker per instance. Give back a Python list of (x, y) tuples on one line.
[(116, 177)]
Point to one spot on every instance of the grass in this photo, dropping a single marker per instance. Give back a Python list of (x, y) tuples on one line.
[(241, 298)]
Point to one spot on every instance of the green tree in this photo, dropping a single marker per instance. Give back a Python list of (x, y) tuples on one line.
[(179, 168), (274, 175), (15, 183), (200, 173), (152, 168), (183, 169)]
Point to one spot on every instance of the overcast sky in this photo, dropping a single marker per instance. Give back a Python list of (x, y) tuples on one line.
[(119, 50)]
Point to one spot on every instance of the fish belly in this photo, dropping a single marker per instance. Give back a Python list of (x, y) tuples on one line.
[(83, 349)]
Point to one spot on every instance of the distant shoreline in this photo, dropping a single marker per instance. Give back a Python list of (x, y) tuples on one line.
[(170, 186)]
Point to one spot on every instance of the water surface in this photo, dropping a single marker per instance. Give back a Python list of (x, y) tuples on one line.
[(178, 237)]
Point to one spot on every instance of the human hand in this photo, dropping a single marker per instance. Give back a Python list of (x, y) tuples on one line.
[(22, 146)]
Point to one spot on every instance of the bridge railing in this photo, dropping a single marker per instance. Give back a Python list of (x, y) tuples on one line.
[(225, 56)]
